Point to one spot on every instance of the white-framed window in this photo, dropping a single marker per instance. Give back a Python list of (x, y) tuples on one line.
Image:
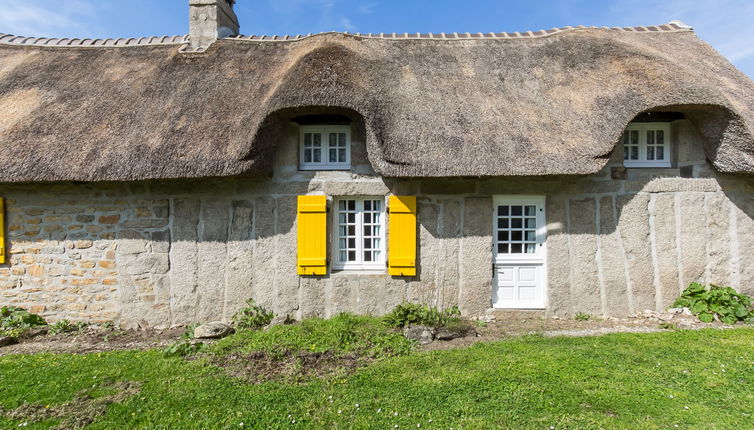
[(647, 144), (519, 227), (359, 233), (325, 147)]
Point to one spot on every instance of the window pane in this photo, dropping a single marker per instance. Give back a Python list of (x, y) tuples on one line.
[(531, 248), (351, 218), (342, 205), (333, 139), (650, 152), (503, 222), (634, 137), (367, 255), (351, 255), (516, 210), (342, 231), (625, 152), (367, 217), (531, 235), (351, 230), (376, 230), (317, 139), (333, 156), (515, 248), (531, 223), (650, 137), (367, 230), (307, 140), (307, 155), (502, 236), (502, 210), (342, 244), (377, 204), (367, 243), (376, 243), (516, 235), (634, 152), (351, 242), (352, 205), (531, 210), (342, 139), (342, 218), (660, 137), (341, 155), (516, 223), (502, 248), (660, 153), (342, 256), (367, 205), (317, 155)]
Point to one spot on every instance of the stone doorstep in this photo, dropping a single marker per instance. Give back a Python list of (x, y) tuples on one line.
[(516, 314)]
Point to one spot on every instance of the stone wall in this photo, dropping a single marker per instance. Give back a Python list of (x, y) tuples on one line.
[(164, 253)]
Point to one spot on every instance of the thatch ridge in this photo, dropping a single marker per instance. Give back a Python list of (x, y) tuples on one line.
[(474, 107)]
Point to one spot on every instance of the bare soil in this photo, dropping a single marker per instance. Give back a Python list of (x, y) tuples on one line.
[(299, 367), (92, 339), (79, 412), (498, 329), (97, 339)]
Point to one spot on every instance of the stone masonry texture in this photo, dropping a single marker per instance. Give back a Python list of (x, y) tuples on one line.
[(167, 253)]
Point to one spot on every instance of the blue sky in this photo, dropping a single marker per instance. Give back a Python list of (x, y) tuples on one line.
[(728, 25)]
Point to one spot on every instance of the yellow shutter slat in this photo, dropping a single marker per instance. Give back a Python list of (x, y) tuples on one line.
[(402, 236), (312, 235), (2, 230)]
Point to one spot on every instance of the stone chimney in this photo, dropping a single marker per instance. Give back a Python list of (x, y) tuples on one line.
[(210, 20)]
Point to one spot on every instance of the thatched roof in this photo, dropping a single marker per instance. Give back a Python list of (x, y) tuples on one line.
[(539, 103)]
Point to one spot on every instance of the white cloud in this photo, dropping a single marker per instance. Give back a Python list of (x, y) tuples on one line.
[(724, 24), (46, 18)]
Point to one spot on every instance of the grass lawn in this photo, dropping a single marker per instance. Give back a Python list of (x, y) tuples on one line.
[(688, 379)]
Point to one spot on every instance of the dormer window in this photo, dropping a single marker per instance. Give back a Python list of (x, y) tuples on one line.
[(325, 147), (647, 144)]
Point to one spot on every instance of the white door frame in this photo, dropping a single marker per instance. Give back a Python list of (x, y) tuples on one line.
[(537, 260)]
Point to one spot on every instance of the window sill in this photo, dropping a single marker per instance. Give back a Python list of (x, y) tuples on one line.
[(646, 164), (310, 168), (359, 271)]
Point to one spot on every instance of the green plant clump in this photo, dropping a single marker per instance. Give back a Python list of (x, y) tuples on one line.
[(729, 306), (183, 349), (252, 317), (407, 314), (343, 334), (15, 321), (582, 316), (65, 326)]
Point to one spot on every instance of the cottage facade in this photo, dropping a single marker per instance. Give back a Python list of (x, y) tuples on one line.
[(164, 181)]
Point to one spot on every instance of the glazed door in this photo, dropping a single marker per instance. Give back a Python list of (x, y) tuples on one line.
[(519, 252)]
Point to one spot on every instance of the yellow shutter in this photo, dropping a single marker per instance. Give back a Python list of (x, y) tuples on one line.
[(312, 235), (402, 236), (2, 230)]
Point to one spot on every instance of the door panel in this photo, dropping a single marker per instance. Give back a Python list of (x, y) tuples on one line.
[(519, 252)]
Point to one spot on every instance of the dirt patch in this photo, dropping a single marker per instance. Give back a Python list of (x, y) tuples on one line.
[(512, 327), (79, 412), (258, 367), (93, 339)]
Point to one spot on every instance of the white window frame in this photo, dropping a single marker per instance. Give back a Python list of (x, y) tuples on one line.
[(325, 131), (540, 254), (378, 265), (643, 128)]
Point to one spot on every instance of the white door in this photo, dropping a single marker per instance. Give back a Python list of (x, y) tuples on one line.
[(519, 252)]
